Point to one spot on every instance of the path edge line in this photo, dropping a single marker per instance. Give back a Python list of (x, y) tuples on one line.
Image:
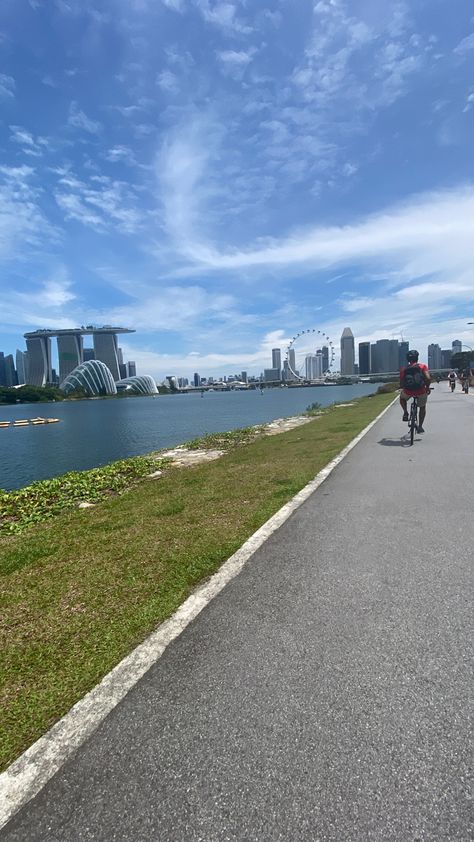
[(32, 770)]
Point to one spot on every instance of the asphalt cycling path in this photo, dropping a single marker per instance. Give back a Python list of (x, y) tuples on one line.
[(323, 695)]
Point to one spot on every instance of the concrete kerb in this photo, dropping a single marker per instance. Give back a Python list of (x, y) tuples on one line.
[(27, 775)]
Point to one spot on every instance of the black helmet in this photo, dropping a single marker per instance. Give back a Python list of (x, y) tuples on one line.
[(412, 356)]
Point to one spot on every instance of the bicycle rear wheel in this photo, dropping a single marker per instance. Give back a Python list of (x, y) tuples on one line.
[(413, 420)]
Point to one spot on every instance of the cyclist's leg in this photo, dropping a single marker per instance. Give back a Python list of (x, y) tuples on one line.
[(403, 404), (421, 411)]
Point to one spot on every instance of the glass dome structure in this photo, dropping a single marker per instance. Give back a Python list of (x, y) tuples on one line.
[(92, 377), (139, 384)]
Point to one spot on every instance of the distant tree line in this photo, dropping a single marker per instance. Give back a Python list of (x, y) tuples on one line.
[(461, 360), (30, 394)]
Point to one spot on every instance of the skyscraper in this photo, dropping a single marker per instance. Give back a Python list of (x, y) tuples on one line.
[(347, 352), (364, 357), (196, 379), (70, 353), (403, 349), (131, 369), (292, 364), (106, 350), (374, 360), (39, 358), (325, 353), (276, 360), (10, 372), (434, 356), (457, 346), (20, 359)]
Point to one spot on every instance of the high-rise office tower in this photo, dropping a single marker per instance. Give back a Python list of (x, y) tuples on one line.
[(20, 359), (244, 377), (403, 349), (88, 354), (276, 360), (197, 379), (292, 364), (106, 350), (457, 346), (393, 355), (38, 345), (314, 366), (347, 352), (364, 357), (446, 355), (3, 377), (10, 371), (383, 354), (70, 353), (325, 353), (131, 369), (374, 361), (434, 356)]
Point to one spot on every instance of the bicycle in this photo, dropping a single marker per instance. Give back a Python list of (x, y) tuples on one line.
[(413, 419)]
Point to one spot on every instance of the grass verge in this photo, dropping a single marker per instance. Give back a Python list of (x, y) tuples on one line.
[(78, 592)]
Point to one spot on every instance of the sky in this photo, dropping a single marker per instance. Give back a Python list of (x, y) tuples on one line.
[(220, 175)]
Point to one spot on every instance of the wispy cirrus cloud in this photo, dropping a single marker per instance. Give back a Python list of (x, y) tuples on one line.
[(79, 120), (465, 45), (7, 86), (23, 226)]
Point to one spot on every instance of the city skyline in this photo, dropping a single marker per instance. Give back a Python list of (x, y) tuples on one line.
[(385, 355), (239, 171)]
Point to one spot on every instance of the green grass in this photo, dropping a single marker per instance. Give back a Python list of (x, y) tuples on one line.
[(79, 591)]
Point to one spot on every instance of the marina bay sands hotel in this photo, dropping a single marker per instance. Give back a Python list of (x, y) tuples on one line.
[(71, 351)]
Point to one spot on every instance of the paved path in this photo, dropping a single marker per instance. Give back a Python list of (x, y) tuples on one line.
[(323, 695)]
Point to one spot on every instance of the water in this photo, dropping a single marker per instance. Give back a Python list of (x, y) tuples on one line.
[(95, 432)]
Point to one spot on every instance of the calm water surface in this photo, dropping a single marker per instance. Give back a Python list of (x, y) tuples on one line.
[(92, 433)]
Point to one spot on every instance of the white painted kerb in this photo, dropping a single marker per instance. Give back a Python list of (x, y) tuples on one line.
[(33, 769)]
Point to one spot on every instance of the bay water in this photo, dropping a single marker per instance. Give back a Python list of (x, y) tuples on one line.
[(94, 432)]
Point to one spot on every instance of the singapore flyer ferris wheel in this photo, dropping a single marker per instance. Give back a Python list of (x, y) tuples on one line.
[(310, 355)]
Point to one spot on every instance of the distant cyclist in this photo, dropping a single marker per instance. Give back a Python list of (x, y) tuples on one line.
[(452, 380), (465, 377), (414, 382)]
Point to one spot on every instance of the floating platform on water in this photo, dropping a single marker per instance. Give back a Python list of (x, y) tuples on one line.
[(28, 422)]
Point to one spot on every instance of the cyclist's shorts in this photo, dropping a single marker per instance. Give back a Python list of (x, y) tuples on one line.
[(420, 398)]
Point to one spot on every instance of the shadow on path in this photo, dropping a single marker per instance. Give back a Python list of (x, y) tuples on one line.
[(404, 441)]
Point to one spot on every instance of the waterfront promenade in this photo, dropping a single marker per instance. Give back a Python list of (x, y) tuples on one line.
[(323, 695)]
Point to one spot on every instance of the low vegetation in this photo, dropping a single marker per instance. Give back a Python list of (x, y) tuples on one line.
[(45, 499), (225, 441), (79, 591), (388, 388)]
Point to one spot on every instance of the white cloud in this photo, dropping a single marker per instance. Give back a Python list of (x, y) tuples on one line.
[(7, 86), (466, 45), (429, 233), (238, 57), (176, 5), (121, 153), (168, 81), (223, 15), (79, 120), (23, 227), (31, 146)]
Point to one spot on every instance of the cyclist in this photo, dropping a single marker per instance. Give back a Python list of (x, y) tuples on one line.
[(452, 380), (414, 382), (465, 376)]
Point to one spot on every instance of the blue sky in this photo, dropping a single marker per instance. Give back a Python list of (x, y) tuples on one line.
[(220, 175)]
